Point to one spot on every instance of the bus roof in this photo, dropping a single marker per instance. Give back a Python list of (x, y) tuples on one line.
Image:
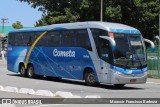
[(110, 27)]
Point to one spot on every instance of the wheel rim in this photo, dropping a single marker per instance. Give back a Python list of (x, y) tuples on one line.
[(91, 78), (22, 70), (30, 71)]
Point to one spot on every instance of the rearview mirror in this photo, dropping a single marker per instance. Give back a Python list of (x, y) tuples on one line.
[(150, 42)]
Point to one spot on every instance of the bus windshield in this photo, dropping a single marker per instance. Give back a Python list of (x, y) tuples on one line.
[(129, 51)]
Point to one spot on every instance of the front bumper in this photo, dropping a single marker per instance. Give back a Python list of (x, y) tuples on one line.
[(119, 78)]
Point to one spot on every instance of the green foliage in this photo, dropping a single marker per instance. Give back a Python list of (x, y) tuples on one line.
[(141, 14), (17, 25)]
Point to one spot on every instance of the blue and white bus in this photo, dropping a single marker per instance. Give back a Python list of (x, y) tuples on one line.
[(97, 52)]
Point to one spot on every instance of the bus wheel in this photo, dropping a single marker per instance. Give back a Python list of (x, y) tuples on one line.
[(90, 78), (119, 85), (22, 70), (30, 71)]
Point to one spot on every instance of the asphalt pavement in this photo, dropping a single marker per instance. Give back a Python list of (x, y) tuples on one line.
[(149, 90)]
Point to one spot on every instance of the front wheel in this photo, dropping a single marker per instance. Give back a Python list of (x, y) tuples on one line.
[(90, 78), (30, 71)]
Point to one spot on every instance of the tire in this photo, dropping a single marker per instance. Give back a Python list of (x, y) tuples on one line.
[(30, 71), (119, 85), (90, 79), (22, 70)]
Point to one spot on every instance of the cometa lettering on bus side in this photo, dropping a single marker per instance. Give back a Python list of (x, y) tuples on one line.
[(58, 53)]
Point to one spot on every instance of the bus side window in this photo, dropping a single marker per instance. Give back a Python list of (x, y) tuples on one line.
[(54, 38), (96, 33), (83, 39), (29, 42), (104, 50), (42, 41), (67, 38), (19, 39), (11, 39)]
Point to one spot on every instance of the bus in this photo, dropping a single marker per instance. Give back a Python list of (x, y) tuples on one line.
[(94, 52)]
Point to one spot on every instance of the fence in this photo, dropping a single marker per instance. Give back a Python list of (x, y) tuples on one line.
[(153, 63)]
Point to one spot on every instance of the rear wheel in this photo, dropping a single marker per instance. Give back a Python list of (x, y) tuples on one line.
[(90, 78), (119, 85), (30, 71), (22, 70)]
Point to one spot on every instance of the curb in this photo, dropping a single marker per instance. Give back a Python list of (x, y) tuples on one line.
[(45, 93), (26, 91), (64, 94), (93, 96), (48, 93), (11, 89), (1, 87)]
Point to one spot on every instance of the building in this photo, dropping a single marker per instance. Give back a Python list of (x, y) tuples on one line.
[(3, 36), (6, 29)]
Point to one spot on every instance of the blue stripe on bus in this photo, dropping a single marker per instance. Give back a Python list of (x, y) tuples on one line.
[(129, 71), (124, 31)]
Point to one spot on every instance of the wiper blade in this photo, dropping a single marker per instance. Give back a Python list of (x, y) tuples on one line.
[(127, 64), (138, 59)]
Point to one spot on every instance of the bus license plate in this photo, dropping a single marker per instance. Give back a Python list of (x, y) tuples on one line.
[(133, 80)]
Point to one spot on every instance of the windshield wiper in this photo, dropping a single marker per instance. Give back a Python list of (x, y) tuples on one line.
[(138, 59), (133, 53), (127, 64)]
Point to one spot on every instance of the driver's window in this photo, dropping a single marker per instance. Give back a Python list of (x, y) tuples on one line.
[(104, 50)]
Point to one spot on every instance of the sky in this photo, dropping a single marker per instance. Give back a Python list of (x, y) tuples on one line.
[(18, 11)]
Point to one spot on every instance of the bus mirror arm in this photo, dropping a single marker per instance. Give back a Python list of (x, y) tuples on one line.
[(111, 40), (158, 38), (150, 42)]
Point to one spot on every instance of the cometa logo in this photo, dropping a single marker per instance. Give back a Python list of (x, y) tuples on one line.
[(58, 53)]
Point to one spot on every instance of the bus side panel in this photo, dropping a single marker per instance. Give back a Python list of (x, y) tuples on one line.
[(15, 55), (65, 62), (37, 59)]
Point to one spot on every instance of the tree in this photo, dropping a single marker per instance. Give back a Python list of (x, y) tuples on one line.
[(141, 14), (17, 25)]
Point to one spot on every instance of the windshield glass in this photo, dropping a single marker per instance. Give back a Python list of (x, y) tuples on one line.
[(130, 51)]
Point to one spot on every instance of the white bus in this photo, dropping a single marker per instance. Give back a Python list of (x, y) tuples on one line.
[(97, 52)]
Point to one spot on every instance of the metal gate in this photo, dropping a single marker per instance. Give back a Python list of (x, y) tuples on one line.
[(153, 61)]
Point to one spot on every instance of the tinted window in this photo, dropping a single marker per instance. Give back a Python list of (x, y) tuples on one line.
[(11, 39), (19, 40), (83, 39), (104, 50), (43, 41), (28, 38), (54, 38), (68, 38), (72, 38), (96, 33)]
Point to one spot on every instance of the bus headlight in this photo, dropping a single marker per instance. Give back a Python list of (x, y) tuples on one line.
[(117, 72)]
